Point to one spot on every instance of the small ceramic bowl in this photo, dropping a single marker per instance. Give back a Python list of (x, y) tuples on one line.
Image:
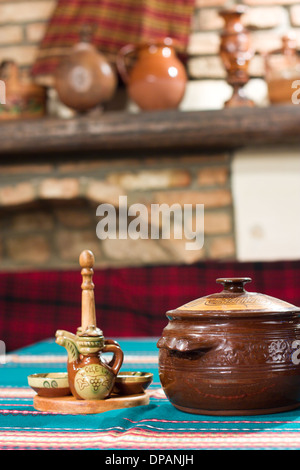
[(54, 384), (131, 383)]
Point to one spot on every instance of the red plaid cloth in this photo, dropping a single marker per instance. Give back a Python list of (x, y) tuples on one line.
[(130, 302), (114, 23)]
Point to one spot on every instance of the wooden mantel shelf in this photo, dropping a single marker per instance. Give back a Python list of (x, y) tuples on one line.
[(116, 131)]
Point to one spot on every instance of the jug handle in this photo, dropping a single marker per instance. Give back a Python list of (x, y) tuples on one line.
[(117, 360), (121, 61), (111, 341)]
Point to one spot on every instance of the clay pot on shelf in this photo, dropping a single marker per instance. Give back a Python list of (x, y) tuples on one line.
[(236, 53), (282, 69), (232, 353), (157, 78), (23, 98), (85, 79)]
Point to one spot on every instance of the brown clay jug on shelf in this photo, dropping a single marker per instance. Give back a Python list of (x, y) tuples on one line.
[(157, 78), (282, 68), (236, 53), (23, 98), (85, 79), (232, 353)]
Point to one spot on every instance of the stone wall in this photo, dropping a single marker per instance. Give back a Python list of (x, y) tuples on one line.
[(48, 211)]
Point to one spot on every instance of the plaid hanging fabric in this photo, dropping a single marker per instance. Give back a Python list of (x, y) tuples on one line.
[(114, 23)]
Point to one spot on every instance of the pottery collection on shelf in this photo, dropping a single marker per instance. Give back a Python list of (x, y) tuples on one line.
[(153, 75)]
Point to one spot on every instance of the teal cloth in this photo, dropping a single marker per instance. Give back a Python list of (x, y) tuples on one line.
[(155, 426)]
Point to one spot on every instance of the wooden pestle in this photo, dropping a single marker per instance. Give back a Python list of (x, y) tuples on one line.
[(88, 311)]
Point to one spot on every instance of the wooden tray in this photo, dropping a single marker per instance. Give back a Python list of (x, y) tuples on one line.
[(70, 405)]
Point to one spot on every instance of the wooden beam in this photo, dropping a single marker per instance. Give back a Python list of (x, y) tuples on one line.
[(114, 131)]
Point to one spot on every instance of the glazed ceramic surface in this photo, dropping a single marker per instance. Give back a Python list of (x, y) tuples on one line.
[(236, 53), (157, 79), (232, 353), (52, 384), (85, 79), (130, 383), (91, 377)]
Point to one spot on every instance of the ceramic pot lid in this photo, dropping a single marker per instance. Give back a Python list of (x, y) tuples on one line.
[(232, 301)]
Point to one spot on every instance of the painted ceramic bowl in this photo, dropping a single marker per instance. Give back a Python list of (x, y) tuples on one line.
[(232, 353), (131, 383), (54, 384)]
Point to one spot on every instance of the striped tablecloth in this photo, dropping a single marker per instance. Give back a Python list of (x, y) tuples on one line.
[(155, 426)]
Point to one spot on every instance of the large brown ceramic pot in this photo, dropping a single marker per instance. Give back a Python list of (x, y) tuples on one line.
[(157, 78), (232, 353)]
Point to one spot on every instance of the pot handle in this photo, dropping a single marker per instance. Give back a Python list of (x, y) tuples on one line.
[(121, 60), (184, 345), (117, 360)]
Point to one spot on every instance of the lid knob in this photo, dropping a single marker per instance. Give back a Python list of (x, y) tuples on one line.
[(233, 284)]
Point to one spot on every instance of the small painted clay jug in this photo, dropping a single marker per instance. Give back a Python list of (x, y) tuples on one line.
[(157, 78), (91, 376), (85, 79)]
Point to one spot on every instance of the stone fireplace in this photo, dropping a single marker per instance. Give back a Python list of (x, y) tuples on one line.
[(48, 210)]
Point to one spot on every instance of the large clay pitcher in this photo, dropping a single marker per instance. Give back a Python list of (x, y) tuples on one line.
[(157, 78), (85, 79)]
